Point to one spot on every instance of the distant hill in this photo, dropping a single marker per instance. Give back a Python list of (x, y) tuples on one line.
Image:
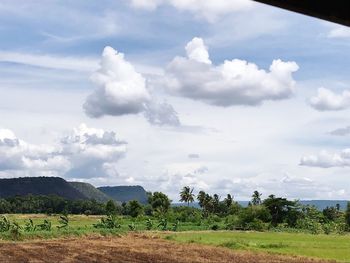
[(125, 193), (90, 192), (322, 204), (38, 186)]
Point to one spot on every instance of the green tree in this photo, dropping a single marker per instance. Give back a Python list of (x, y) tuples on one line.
[(228, 200), (160, 202), (256, 198), (134, 208), (201, 198), (279, 208), (186, 195), (347, 215), (111, 208)]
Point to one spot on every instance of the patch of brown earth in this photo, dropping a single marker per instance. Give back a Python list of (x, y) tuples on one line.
[(130, 248)]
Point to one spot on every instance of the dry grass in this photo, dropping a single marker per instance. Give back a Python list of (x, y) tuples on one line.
[(128, 248)]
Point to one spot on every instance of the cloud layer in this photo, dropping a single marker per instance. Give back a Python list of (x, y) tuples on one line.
[(327, 160), (209, 9), (235, 82), (327, 100)]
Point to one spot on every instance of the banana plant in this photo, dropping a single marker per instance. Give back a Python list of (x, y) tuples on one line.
[(163, 224), (29, 226), (149, 224), (15, 231), (5, 224), (109, 222), (132, 226), (64, 222), (46, 226), (175, 226)]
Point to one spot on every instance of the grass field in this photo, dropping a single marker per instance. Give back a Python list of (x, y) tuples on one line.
[(335, 247)]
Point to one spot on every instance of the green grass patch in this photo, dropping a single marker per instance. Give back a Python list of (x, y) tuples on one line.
[(336, 247)]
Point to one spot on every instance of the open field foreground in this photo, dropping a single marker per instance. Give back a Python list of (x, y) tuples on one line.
[(130, 248)]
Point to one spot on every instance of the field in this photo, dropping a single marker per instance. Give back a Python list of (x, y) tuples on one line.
[(192, 243), (134, 248), (334, 247)]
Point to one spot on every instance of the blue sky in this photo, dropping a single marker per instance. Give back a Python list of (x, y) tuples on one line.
[(172, 96)]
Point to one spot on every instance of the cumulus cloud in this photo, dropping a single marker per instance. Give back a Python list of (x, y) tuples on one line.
[(92, 152), (209, 9), (341, 131), (327, 100), (235, 82), (120, 89), (327, 160), (16, 154), (83, 153)]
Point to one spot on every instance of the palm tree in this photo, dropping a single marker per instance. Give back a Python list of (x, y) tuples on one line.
[(228, 200), (256, 198), (187, 195), (201, 198)]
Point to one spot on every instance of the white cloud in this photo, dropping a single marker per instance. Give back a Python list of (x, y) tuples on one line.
[(16, 154), (84, 153), (209, 9), (339, 32), (327, 100), (92, 152), (235, 82), (327, 160), (196, 50), (120, 89)]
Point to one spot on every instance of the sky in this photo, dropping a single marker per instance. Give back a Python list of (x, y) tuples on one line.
[(223, 96)]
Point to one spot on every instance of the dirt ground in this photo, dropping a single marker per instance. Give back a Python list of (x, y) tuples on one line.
[(130, 248)]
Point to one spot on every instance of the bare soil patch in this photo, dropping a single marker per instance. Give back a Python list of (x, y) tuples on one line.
[(130, 248)]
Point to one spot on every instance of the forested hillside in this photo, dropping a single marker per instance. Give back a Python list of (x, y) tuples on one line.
[(90, 192), (125, 193), (38, 186)]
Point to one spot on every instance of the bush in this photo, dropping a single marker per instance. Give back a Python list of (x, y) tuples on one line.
[(256, 225), (232, 222), (311, 225)]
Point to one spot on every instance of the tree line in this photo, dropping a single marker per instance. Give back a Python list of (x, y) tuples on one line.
[(260, 214)]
